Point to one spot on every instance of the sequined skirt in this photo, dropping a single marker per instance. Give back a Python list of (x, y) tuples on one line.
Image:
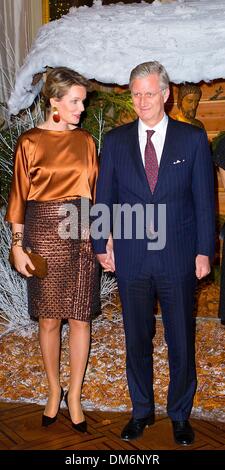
[(71, 290)]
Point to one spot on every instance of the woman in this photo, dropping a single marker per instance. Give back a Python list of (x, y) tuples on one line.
[(219, 160), (55, 171)]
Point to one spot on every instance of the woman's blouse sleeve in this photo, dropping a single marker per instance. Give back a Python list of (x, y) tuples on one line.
[(219, 154), (20, 184), (93, 166)]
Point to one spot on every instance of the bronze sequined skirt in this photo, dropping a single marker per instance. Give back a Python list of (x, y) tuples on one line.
[(72, 287)]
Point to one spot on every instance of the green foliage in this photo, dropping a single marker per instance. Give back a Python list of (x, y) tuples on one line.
[(216, 140), (106, 110)]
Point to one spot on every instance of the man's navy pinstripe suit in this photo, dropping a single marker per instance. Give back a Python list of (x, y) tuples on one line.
[(185, 185)]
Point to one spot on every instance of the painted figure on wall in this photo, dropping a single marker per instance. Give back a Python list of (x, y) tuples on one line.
[(187, 103)]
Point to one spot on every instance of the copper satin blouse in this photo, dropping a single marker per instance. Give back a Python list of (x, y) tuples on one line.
[(51, 165)]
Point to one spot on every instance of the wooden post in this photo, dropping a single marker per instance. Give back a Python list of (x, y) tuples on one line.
[(45, 11)]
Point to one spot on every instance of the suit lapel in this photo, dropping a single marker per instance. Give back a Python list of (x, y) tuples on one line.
[(167, 153), (135, 153)]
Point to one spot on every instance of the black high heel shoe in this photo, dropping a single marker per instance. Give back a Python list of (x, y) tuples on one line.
[(47, 420), (80, 427)]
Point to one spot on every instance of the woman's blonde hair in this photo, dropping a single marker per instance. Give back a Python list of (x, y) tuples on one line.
[(59, 80)]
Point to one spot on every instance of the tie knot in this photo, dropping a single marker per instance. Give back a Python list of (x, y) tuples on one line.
[(150, 133)]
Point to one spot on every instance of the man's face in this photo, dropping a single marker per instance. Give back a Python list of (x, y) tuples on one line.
[(148, 98), (189, 105)]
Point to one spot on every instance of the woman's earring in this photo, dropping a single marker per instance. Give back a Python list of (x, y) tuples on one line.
[(55, 114)]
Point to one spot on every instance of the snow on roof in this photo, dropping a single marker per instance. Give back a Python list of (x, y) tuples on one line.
[(105, 42)]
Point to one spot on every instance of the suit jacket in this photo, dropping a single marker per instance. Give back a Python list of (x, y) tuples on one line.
[(185, 185)]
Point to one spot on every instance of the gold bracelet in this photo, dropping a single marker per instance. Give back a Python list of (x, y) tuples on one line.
[(17, 238)]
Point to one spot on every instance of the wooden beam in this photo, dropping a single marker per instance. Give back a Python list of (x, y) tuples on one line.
[(45, 11)]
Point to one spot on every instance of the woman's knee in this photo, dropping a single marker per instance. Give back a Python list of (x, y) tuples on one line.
[(49, 324), (79, 325)]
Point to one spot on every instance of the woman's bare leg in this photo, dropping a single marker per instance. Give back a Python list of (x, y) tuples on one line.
[(49, 338), (79, 343)]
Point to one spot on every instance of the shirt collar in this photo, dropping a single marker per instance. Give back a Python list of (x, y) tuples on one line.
[(160, 127)]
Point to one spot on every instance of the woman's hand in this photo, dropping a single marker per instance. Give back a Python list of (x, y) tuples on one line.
[(107, 259), (21, 260)]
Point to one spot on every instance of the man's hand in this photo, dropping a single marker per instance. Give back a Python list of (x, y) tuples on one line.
[(202, 266), (107, 259)]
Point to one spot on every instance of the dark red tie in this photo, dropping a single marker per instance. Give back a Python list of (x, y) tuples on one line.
[(151, 162)]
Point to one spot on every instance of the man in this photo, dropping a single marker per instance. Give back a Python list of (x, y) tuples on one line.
[(158, 162)]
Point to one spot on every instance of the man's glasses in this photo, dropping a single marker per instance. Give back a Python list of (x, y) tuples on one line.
[(147, 95)]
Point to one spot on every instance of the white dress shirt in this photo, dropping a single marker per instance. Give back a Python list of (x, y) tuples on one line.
[(157, 139)]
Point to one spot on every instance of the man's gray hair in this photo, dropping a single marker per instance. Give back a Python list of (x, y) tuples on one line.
[(149, 68)]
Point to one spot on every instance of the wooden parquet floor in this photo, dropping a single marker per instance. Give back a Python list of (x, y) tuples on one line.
[(20, 429)]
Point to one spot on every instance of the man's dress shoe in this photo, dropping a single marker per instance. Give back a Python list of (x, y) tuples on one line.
[(183, 433), (135, 427)]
